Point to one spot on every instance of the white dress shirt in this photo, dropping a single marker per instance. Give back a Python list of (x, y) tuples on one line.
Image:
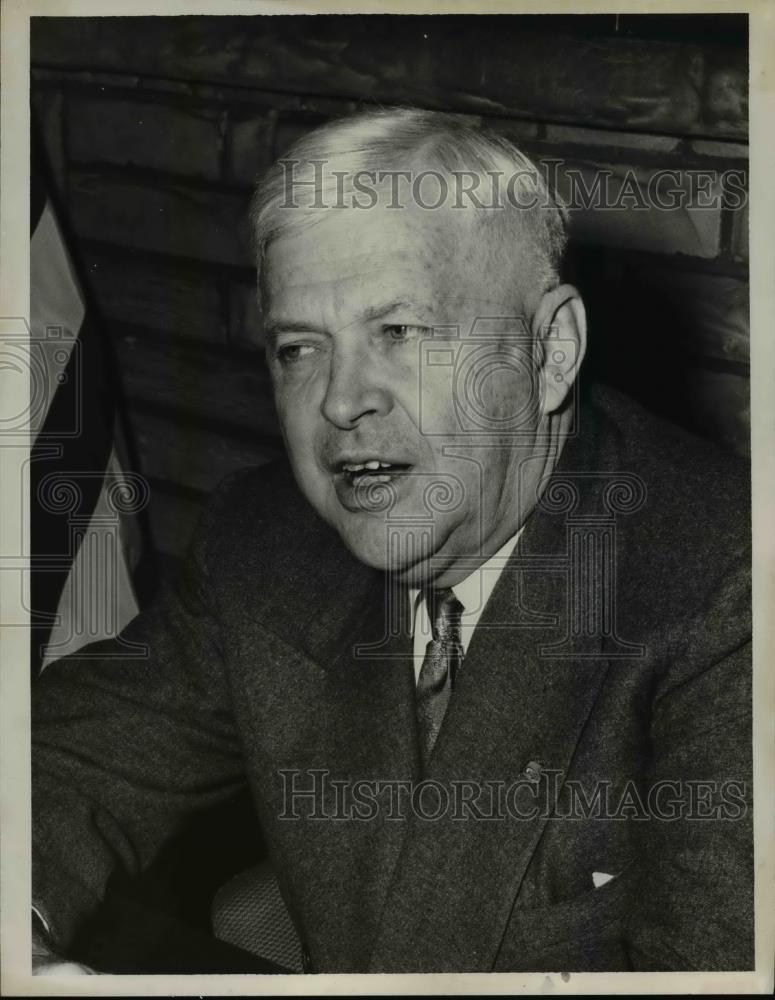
[(473, 593)]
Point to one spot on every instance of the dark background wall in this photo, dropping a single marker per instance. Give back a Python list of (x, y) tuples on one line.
[(157, 127)]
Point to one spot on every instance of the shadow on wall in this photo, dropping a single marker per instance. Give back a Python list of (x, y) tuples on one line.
[(676, 341)]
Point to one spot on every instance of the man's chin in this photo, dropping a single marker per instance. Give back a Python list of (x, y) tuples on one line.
[(405, 551), (373, 549)]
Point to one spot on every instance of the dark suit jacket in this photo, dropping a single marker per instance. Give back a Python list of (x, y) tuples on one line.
[(251, 671)]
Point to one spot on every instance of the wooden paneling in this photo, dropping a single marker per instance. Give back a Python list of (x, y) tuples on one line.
[(147, 133), (158, 292), (158, 214), (620, 205), (227, 389), (194, 456), (517, 66)]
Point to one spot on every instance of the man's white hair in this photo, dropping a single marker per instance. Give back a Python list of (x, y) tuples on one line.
[(319, 169)]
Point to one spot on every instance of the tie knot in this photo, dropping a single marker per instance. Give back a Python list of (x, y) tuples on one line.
[(444, 610)]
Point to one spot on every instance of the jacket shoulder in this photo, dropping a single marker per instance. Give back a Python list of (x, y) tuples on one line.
[(271, 557), (694, 492), (261, 509), (683, 552)]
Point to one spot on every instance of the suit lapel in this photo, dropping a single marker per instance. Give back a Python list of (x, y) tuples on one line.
[(354, 719), (375, 681), (517, 713)]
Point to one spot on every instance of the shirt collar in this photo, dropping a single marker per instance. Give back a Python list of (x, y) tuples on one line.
[(474, 591)]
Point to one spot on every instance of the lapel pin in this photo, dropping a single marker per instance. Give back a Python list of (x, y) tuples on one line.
[(533, 770)]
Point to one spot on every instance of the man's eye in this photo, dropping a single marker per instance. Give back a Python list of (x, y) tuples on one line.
[(289, 354), (400, 332)]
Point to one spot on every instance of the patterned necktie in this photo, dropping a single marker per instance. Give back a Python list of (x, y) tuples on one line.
[(443, 656)]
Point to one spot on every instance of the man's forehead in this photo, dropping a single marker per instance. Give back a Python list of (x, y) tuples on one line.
[(340, 238), (300, 262), (381, 254), (384, 296)]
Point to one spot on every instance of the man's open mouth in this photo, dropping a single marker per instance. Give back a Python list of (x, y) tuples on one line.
[(374, 470)]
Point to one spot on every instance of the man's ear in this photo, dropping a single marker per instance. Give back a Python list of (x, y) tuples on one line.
[(560, 339)]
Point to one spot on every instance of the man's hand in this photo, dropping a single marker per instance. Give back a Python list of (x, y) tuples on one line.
[(59, 967), (45, 961)]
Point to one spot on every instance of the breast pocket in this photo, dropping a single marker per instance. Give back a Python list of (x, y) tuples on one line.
[(581, 934)]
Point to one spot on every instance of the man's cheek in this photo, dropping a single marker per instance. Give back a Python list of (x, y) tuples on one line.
[(300, 448), (437, 410), (294, 422)]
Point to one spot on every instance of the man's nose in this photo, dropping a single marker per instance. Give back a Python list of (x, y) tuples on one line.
[(353, 390)]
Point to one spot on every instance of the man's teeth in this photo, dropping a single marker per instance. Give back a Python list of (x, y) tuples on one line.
[(360, 466)]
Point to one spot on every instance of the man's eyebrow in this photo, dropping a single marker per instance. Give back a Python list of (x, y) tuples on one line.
[(274, 328), (377, 312)]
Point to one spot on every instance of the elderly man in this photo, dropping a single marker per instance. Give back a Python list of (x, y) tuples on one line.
[(482, 658)]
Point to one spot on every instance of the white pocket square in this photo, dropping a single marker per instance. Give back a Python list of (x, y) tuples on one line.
[(601, 878)]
